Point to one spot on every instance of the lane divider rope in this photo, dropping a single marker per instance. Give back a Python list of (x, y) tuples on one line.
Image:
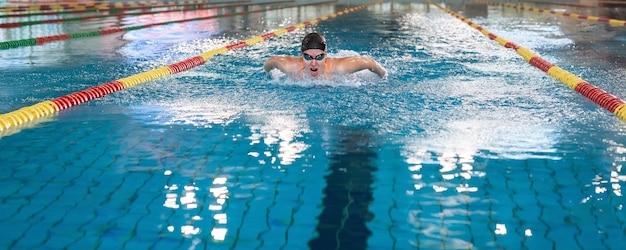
[(84, 18), (611, 22), (85, 6), (77, 6), (30, 114), (111, 8), (593, 93), (558, 4), (54, 13), (123, 9), (47, 39)]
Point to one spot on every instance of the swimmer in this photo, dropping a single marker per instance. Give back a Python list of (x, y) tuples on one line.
[(315, 63)]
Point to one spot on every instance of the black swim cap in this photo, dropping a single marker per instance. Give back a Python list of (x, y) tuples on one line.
[(313, 41)]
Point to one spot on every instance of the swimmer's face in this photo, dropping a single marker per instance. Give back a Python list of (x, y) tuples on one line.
[(313, 61)]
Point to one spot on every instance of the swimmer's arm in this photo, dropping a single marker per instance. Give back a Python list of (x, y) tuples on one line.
[(271, 63), (282, 63), (353, 64)]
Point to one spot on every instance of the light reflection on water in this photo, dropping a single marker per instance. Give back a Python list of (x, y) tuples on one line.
[(454, 103), (279, 128), (187, 200)]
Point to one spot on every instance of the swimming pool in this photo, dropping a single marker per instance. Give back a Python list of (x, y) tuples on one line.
[(463, 146)]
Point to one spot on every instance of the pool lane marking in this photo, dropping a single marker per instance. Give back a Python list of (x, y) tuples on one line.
[(89, 6), (54, 13), (595, 94), (106, 5), (18, 118), (47, 39), (84, 18), (611, 22)]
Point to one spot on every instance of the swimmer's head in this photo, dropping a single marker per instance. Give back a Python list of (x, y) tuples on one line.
[(313, 41)]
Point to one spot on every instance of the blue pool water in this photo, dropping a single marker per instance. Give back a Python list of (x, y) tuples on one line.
[(463, 146)]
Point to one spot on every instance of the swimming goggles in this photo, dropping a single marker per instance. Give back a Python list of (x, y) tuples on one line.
[(318, 57)]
